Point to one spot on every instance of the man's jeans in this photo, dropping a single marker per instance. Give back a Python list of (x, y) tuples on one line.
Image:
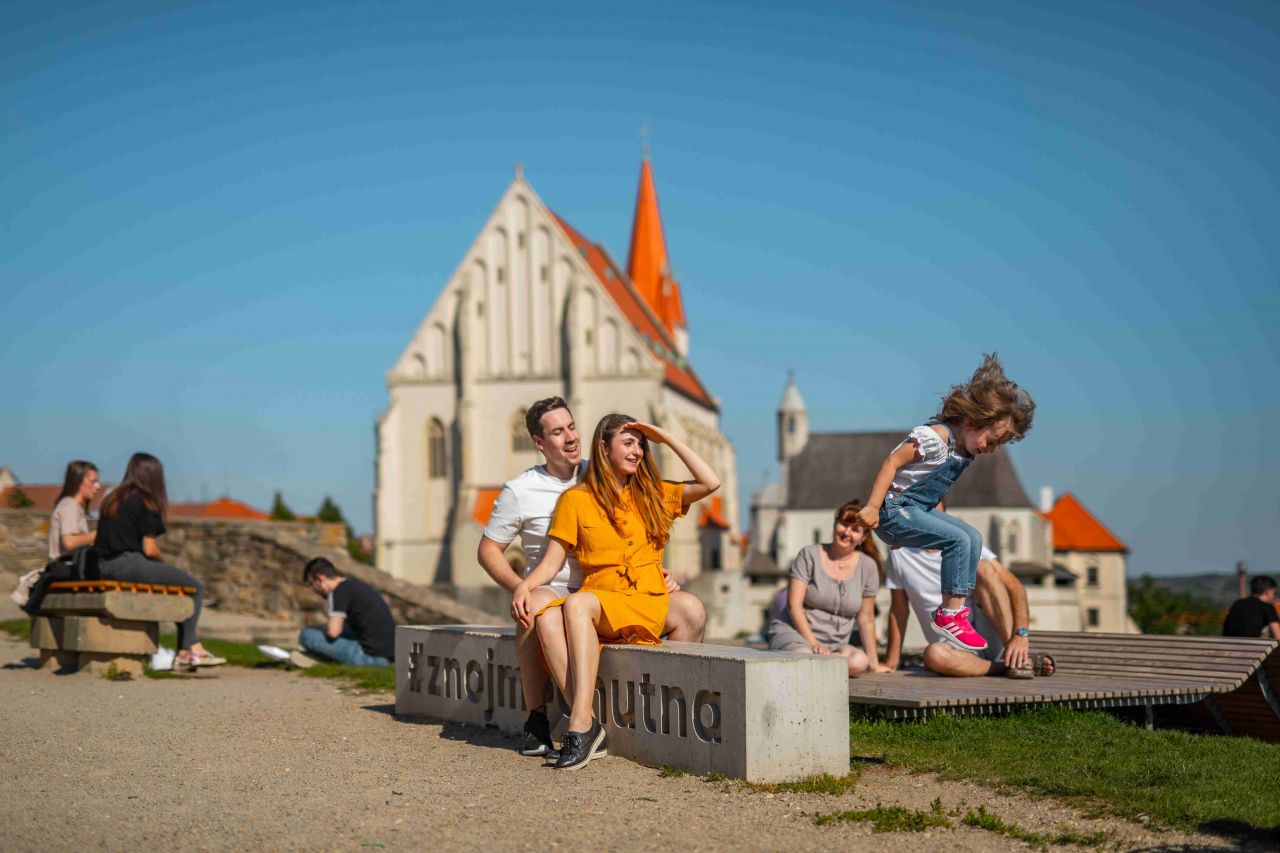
[(345, 649)]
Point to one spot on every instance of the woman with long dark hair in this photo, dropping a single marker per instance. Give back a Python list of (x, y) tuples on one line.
[(617, 520), (69, 524), (131, 521)]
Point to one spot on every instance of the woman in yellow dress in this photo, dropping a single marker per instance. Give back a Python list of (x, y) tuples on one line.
[(617, 520)]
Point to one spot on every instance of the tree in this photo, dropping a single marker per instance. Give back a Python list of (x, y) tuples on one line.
[(19, 499), (280, 511), (330, 513), (1159, 610)]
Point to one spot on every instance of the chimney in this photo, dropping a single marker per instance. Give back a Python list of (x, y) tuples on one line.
[(1046, 498)]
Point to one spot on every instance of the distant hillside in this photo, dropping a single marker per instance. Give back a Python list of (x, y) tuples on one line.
[(1220, 588)]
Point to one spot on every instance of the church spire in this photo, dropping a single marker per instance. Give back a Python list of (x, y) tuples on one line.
[(647, 263)]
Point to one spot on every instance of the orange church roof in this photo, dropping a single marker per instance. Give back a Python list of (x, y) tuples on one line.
[(43, 496), (647, 262), (1077, 529), (483, 507), (679, 376), (712, 514), (223, 507)]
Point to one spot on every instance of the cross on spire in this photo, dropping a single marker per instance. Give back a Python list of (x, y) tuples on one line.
[(646, 134)]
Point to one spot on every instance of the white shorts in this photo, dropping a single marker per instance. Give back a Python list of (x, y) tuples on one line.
[(560, 590)]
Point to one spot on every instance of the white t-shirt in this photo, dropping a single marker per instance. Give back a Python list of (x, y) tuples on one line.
[(919, 572), (933, 449), (524, 507), (68, 517)]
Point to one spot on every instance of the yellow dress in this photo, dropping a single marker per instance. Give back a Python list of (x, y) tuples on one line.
[(623, 569)]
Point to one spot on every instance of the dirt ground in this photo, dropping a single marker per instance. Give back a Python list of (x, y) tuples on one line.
[(238, 758)]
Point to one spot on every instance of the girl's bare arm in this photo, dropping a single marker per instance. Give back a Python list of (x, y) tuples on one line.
[(904, 455)]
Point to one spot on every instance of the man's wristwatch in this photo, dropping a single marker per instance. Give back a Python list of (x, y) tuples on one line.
[(1022, 632)]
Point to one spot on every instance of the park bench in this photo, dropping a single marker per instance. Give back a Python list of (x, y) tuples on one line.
[(742, 713), (96, 625), (1220, 683)]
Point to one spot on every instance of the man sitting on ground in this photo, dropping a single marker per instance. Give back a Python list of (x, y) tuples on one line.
[(359, 630), (914, 577), (524, 508), (1256, 615)]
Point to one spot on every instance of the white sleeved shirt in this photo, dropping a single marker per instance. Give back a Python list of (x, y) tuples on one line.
[(931, 446), (524, 508), (919, 573)]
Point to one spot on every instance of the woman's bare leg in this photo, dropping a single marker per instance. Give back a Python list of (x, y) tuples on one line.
[(581, 612), (857, 660), (554, 646), (533, 674)]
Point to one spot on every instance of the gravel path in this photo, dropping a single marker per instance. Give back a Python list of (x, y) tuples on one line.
[(267, 759)]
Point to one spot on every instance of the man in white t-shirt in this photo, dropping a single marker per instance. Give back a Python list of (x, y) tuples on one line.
[(1001, 616), (524, 508)]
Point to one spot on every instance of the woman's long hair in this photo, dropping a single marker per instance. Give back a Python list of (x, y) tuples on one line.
[(77, 470), (987, 398), (645, 486), (144, 476), (848, 514)]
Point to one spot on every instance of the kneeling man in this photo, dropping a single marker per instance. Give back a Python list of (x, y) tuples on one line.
[(915, 578), (524, 508)]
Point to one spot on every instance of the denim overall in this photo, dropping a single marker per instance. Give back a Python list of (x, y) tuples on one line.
[(908, 520)]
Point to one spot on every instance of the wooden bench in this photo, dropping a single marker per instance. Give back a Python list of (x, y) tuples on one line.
[(96, 624), (1221, 683)]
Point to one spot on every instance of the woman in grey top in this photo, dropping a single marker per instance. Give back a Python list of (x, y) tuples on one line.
[(69, 524), (833, 587)]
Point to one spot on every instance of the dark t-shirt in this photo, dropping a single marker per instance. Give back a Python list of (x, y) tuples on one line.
[(1248, 617), (133, 520), (368, 617)]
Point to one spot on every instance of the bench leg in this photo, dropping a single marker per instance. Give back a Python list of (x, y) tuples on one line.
[(51, 659)]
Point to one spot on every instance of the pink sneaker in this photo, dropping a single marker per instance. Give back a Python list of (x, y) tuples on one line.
[(957, 631)]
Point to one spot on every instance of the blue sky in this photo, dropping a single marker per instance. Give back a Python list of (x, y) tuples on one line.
[(221, 223)]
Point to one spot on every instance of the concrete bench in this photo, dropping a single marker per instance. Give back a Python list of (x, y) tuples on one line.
[(94, 624), (742, 713)]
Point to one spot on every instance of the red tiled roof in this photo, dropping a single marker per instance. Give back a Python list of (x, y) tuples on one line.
[(1076, 529), (223, 507), (679, 377), (712, 514), (483, 506), (43, 496)]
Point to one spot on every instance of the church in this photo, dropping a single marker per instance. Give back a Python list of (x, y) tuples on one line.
[(536, 309)]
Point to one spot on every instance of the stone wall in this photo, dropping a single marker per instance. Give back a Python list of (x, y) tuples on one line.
[(252, 567)]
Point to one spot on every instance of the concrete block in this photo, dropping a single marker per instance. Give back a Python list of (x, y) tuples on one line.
[(136, 606), (100, 663), (742, 713), (94, 634)]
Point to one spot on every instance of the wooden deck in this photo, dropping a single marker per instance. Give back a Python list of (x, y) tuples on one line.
[(1222, 683)]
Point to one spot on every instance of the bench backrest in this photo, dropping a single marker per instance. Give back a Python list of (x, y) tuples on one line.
[(1223, 663)]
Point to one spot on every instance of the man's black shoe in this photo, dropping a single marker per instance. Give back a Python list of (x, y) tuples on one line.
[(580, 747), (537, 735)]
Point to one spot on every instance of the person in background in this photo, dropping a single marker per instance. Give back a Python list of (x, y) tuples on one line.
[(69, 524), (1256, 615), (833, 586), (359, 631), (131, 521)]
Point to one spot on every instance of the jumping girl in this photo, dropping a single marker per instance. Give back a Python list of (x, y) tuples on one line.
[(978, 417)]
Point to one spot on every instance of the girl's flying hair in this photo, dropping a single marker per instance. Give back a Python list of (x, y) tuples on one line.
[(989, 397), (645, 486)]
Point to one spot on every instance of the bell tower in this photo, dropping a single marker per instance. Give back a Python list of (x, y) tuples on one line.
[(793, 422)]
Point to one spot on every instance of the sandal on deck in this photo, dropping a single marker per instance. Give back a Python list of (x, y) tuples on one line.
[(1036, 665)]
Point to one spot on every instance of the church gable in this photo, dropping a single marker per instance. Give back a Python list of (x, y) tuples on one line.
[(515, 281)]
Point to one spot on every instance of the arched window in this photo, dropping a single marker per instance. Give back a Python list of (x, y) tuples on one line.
[(436, 460), (520, 440), (1012, 534)]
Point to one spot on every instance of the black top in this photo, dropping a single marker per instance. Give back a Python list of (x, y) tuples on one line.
[(368, 617), (1248, 617), (124, 532)]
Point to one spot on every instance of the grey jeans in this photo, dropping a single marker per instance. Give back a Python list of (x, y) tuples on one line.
[(134, 567)]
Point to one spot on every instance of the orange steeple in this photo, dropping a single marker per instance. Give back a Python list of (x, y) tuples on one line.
[(647, 264)]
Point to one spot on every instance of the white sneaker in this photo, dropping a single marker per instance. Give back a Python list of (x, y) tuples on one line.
[(302, 660), (162, 660)]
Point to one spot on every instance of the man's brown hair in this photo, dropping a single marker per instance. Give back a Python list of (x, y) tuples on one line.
[(533, 417)]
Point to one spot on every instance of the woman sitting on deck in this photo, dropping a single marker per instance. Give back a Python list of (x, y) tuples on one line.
[(832, 586), (618, 520)]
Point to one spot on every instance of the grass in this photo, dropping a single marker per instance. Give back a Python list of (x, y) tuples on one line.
[(823, 783), (373, 679), (19, 629), (887, 819), (666, 771), (983, 819), (1217, 784)]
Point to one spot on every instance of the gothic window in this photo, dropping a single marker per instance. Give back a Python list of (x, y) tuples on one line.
[(520, 240), (1012, 543), (520, 440), (502, 275), (544, 272), (436, 466)]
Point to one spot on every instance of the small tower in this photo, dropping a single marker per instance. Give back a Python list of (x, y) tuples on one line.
[(793, 422)]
